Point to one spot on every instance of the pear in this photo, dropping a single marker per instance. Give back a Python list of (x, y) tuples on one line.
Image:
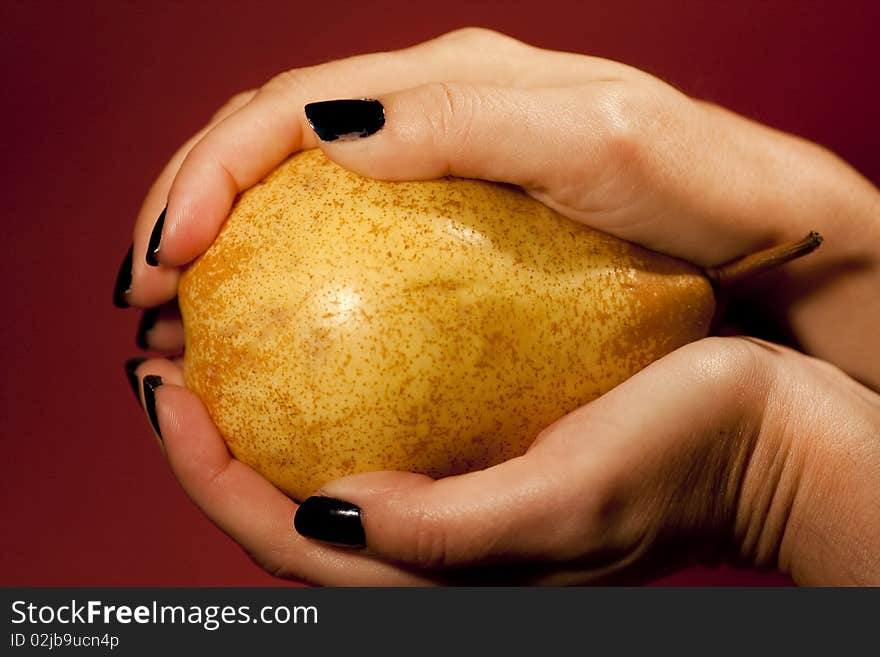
[(340, 324)]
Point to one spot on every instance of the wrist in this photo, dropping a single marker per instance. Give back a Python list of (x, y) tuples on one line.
[(832, 535), (808, 500)]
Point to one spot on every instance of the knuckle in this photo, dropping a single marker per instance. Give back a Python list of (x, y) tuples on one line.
[(289, 82), (427, 547), (598, 506), (273, 561), (474, 36), (587, 496), (594, 513), (634, 120), (622, 111), (735, 363), (234, 103), (240, 98), (478, 39), (790, 367), (451, 111)]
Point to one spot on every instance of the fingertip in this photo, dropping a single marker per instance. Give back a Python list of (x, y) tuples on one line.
[(335, 513), (155, 242), (131, 367), (330, 520), (122, 286), (199, 201), (145, 377), (161, 329), (148, 320), (353, 133), (196, 449), (345, 119), (150, 286), (151, 383), (170, 372)]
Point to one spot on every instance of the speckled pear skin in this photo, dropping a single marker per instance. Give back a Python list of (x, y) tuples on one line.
[(340, 324)]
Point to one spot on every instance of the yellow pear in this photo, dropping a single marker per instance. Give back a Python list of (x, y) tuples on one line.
[(340, 324)]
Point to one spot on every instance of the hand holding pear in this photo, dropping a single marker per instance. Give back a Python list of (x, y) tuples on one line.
[(340, 324)]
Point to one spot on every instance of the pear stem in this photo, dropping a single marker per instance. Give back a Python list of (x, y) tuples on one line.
[(757, 263)]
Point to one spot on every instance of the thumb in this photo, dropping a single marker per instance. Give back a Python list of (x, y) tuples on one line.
[(502, 514), (528, 137)]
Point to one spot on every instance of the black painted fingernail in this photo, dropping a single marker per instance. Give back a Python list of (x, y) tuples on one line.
[(151, 382), (123, 281), (345, 119), (148, 321), (330, 520), (131, 366), (155, 238)]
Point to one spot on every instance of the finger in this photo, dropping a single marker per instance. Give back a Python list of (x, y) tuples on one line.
[(150, 286), (241, 502), (161, 329), (523, 136), (519, 511), (596, 489), (251, 142)]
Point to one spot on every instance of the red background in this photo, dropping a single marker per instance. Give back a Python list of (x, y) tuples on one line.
[(97, 95)]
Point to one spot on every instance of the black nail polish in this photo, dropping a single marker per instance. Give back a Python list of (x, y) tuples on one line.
[(155, 238), (123, 281), (151, 382), (148, 321), (330, 520), (345, 119), (131, 366)]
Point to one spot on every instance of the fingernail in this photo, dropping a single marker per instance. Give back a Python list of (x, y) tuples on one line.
[(155, 238), (345, 119), (330, 520), (148, 321), (123, 281), (131, 366), (151, 383)]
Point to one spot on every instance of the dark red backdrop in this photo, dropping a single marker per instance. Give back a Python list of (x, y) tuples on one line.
[(96, 95)]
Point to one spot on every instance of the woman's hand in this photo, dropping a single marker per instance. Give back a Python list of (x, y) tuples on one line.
[(727, 449), (601, 142), (724, 446)]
